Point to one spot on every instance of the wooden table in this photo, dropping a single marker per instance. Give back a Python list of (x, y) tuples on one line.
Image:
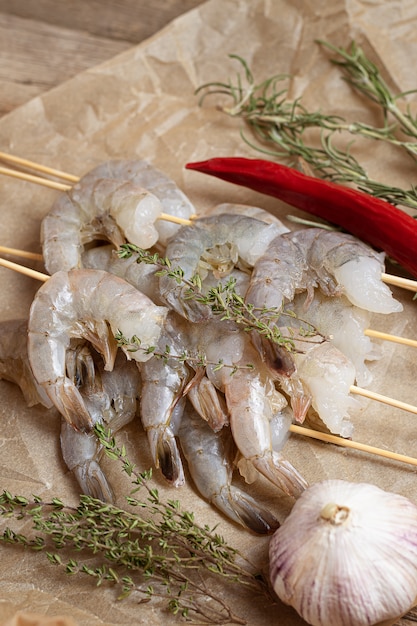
[(45, 42)]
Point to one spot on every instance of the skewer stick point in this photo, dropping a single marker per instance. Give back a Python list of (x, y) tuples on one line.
[(372, 395), (37, 167), (376, 334), (24, 270), (347, 443), (34, 256), (34, 179), (398, 281), (176, 220)]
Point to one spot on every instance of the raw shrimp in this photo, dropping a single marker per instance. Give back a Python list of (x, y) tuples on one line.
[(208, 403), (210, 465), (143, 276), (248, 211), (336, 262), (117, 201), (163, 384), (327, 375), (220, 243), (344, 325), (251, 398), (340, 263), (142, 173), (109, 210), (89, 304), (111, 399), (14, 362)]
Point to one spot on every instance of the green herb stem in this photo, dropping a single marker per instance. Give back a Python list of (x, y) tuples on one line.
[(157, 550), (280, 125)]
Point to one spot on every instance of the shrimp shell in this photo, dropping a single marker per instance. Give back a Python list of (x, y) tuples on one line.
[(337, 263), (111, 398), (209, 463), (14, 362), (142, 173), (248, 211), (246, 236), (116, 201), (89, 304)]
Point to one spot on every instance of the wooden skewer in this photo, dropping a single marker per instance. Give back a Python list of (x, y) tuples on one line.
[(398, 281), (24, 270), (34, 179), (387, 337), (347, 443), (38, 167), (34, 256), (371, 395), (369, 331)]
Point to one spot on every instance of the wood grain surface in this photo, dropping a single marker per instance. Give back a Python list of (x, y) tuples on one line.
[(45, 42)]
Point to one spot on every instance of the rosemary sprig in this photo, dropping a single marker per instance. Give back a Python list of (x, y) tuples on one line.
[(158, 550), (366, 78), (280, 125)]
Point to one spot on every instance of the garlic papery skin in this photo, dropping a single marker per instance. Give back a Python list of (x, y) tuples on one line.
[(347, 555)]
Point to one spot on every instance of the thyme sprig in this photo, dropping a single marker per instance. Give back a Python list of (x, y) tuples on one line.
[(224, 302), (158, 550), (280, 125)]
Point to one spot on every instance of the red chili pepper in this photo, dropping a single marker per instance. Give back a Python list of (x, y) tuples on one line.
[(373, 220)]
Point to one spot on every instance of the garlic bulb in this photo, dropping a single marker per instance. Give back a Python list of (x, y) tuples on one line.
[(347, 555)]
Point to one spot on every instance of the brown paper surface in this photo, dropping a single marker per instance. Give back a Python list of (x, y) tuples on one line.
[(142, 104)]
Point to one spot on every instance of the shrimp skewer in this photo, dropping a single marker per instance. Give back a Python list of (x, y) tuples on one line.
[(302, 260), (210, 466), (93, 305)]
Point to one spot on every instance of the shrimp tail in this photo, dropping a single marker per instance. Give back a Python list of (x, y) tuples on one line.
[(68, 400), (208, 403), (81, 453), (93, 482), (280, 472), (166, 455), (243, 509), (277, 357)]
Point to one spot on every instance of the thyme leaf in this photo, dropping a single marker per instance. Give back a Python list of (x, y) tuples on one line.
[(152, 549), (224, 302)]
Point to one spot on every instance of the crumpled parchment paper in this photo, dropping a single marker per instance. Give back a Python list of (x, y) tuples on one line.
[(142, 104)]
